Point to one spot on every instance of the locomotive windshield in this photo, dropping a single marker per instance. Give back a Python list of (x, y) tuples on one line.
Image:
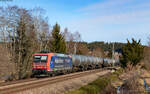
[(40, 58)]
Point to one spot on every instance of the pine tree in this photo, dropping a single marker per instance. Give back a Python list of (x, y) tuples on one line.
[(132, 53), (58, 42)]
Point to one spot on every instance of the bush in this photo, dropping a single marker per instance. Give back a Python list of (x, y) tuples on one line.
[(90, 89), (77, 92), (132, 53)]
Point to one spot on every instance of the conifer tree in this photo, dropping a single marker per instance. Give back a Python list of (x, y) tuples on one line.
[(58, 42), (132, 53)]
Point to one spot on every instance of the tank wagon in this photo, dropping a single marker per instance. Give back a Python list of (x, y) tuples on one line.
[(56, 63), (81, 63)]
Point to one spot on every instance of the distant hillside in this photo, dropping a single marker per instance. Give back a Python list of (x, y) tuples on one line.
[(106, 46)]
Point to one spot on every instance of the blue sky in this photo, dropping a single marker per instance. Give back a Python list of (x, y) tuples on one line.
[(97, 20)]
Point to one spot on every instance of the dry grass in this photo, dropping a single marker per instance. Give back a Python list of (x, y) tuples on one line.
[(147, 58), (109, 90), (146, 75), (131, 85), (131, 82), (6, 67)]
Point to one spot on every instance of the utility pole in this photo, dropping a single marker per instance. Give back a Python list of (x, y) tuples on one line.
[(113, 53), (75, 48)]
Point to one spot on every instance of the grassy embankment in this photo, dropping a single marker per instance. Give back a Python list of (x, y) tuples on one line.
[(97, 86)]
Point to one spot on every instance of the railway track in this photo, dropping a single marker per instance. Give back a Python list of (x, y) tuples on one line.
[(33, 83), (17, 81)]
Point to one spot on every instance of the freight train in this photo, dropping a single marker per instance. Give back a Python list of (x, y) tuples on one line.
[(55, 63)]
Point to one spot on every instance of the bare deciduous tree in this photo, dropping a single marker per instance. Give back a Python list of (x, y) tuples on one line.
[(19, 35), (42, 28), (73, 40), (69, 41)]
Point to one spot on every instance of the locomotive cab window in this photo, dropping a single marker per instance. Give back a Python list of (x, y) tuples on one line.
[(42, 58), (37, 58)]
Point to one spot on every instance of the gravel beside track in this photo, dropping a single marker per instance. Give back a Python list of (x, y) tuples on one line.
[(17, 81), (20, 86)]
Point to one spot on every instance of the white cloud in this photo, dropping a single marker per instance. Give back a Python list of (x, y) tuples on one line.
[(114, 20), (104, 5)]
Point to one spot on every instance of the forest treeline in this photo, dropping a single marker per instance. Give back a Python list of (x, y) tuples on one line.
[(107, 46), (102, 47)]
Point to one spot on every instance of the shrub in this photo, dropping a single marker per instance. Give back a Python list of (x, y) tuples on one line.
[(132, 53)]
